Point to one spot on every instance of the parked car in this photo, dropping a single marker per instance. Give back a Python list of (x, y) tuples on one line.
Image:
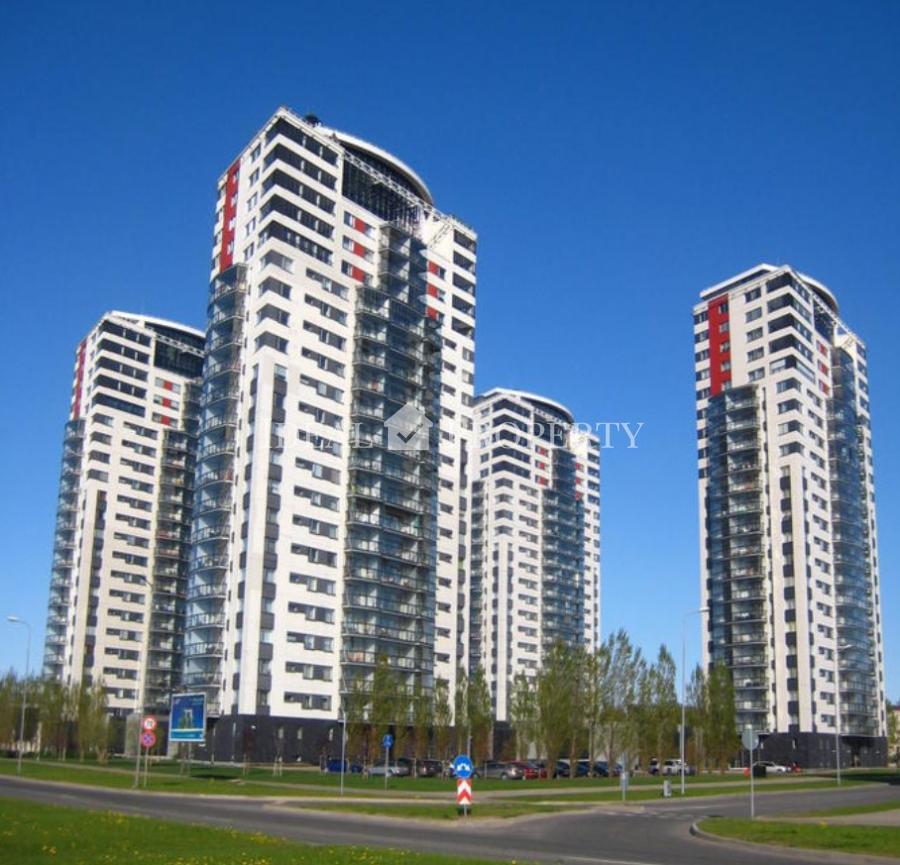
[(334, 765), (429, 768), (504, 771), (394, 770), (530, 769), (653, 767), (562, 769), (772, 768), (601, 769), (673, 767)]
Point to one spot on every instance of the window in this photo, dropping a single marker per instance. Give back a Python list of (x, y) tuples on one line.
[(756, 354), (753, 314)]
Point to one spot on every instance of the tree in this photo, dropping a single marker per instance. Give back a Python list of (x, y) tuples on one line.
[(721, 721), (665, 702), (10, 698), (356, 708), (461, 711), (619, 695), (58, 710), (576, 676), (383, 704), (554, 704), (400, 714), (596, 671), (522, 713), (696, 712), (893, 727), (443, 718), (93, 721), (480, 716), (422, 716)]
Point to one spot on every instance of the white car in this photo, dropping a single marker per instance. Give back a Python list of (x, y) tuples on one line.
[(772, 768)]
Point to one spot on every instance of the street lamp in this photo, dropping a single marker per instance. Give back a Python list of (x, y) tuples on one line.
[(16, 620), (139, 695), (837, 709), (684, 619)]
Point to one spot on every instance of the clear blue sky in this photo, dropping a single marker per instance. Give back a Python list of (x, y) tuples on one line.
[(614, 158)]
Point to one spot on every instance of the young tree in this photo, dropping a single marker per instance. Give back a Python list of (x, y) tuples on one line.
[(522, 713), (356, 707), (620, 695), (893, 726), (93, 722), (401, 717), (383, 704), (480, 716), (422, 715), (461, 710), (721, 727), (443, 718), (10, 698), (696, 712), (576, 675), (554, 704), (665, 706), (596, 671)]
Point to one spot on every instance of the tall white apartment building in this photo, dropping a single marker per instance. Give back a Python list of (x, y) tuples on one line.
[(123, 523), (535, 536), (787, 515), (330, 524)]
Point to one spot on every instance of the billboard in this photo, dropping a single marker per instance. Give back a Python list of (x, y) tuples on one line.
[(187, 722)]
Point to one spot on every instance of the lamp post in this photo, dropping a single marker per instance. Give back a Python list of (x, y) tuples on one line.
[(837, 710), (684, 619), (16, 620), (139, 696), (343, 720)]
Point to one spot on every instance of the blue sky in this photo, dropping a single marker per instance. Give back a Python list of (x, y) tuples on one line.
[(614, 158)]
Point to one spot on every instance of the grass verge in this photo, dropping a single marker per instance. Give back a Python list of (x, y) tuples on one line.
[(872, 840), (849, 810), (441, 811), (157, 782), (32, 834), (644, 794)]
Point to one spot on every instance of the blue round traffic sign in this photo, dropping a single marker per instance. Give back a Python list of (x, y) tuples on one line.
[(387, 741), (462, 766)]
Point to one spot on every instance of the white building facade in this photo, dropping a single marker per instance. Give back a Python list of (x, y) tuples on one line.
[(116, 612), (789, 563), (329, 530), (535, 572)]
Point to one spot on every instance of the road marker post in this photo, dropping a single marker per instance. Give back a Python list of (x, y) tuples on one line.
[(464, 795)]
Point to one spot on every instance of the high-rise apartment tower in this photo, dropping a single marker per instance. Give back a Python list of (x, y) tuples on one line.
[(535, 536), (331, 516), (124, 514), (787, 515)]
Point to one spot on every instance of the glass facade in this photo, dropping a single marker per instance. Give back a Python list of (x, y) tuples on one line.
[(738, 582), (214, 485), (856, 615), (390, 577)]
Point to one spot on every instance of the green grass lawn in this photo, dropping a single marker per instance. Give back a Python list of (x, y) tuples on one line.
[(32, 834), (636, 794), (96, 776), (440, 811), (849, 810), (873, 840)]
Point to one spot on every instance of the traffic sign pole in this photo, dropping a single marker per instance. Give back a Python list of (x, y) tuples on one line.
[(464, 794), (750, 742), (386, 741)]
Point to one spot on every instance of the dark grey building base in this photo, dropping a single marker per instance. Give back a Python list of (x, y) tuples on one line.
[(264, 738), (816, 750)]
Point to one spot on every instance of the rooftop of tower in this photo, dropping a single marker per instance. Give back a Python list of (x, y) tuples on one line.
[(764, 270), (538, 401)]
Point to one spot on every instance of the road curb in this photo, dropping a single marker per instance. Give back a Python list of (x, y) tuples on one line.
[(790, 852)]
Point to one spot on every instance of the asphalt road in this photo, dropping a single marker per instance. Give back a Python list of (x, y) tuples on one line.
[(645, 834)]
